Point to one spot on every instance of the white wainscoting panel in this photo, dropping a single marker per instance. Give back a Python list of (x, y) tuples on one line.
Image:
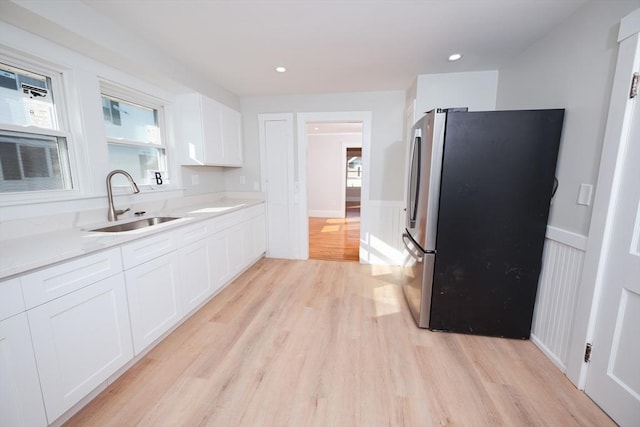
[(558, 286), (382, 243)]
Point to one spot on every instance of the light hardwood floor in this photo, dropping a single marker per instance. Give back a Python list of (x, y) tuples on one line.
[(336, 239), (323, 343)]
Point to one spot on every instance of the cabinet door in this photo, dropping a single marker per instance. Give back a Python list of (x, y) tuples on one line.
[(231, 137), (20, 398), (196, 265), (11, 301), (220, 257), (188, 128), (80, 340), (154, 299), (253, 234), (212, 131), (259, 232), (235, 243)]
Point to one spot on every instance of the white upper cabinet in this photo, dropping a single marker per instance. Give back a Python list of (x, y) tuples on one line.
[(207, 132), (231, 137)]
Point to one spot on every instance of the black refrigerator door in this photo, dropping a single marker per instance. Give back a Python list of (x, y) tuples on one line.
[(497, 179)]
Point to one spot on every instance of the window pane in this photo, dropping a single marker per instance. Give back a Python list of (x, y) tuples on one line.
[(9, 161), (31, 162), (131, 122), (140, 162), (34, 161), (25, 98), (354, 170)]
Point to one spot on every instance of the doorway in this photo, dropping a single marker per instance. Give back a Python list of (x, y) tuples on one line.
[(334, 184)]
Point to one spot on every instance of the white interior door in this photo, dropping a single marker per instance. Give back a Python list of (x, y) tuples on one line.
[(613, 378), (276, 148)]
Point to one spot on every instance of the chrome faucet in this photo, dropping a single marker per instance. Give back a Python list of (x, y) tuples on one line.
[(113, 213)]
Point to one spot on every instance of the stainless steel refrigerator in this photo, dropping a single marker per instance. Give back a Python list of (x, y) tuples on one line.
[(479, 191)]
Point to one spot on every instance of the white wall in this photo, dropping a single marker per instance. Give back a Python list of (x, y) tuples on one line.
[(475, 90), (324, 180), (325, 172)]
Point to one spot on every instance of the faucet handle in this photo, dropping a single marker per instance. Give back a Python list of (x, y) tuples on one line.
[(120, 211)]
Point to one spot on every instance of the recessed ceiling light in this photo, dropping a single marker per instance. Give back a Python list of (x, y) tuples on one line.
[(281, 69), (455, 57)]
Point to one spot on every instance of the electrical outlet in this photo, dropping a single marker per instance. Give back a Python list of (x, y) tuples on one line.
[(256, 186), (195, 179), (242, 179)]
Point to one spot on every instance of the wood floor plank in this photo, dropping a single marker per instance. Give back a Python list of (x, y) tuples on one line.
[(325, 343)]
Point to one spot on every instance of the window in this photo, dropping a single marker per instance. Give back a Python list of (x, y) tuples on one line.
[(133, 125), (33, 146), (354, 167)]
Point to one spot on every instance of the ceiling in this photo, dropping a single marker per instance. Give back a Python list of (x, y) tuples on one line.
[(333, 46)]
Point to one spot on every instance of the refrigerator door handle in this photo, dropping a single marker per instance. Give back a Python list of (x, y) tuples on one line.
[(412, 250), (414, 178)]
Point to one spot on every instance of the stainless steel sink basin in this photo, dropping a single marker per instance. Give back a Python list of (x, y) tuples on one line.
[(135, 225)]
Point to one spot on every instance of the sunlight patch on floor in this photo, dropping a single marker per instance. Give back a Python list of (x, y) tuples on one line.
[(330, 228), (386, 300)]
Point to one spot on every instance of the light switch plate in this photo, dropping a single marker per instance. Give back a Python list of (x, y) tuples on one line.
[(584, 194)]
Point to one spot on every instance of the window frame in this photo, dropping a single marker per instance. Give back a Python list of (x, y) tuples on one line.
[(116, 91), (58, 77)]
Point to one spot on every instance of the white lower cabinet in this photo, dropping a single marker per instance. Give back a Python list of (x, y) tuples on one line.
[(258, 242), (65, 329), (235, 242), (220, 259), (153, 290), (196, 273), (20, 398), (239, 240), (80, 340)]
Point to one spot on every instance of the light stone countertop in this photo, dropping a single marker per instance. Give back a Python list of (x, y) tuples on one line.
[(20, 255)]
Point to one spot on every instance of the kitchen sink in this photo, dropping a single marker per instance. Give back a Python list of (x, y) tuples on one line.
[(135, 225)]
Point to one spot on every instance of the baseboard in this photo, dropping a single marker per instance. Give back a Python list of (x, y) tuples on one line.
[(547, 352), (326, 214)]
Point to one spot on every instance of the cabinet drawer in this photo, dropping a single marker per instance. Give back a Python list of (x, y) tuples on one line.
[(227, 220), (147, 249), (11, 301), (53, 282), (194, 232), (254, 211)]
